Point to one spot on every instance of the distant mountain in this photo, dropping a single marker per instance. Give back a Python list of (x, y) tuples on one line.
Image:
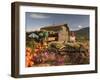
[(82, 33)]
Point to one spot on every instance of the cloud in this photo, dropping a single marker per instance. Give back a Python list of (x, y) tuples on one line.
[(32, 29), (80, 26), (39, 16)]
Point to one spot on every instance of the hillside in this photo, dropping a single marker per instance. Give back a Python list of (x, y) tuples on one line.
[(82, 34)]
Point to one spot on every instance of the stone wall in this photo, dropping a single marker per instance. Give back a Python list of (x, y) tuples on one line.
[(63, 35)]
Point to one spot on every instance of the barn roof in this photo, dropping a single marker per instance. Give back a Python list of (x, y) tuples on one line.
[(55, 27)]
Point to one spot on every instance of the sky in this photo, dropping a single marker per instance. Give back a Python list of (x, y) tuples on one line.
[(34, 21)]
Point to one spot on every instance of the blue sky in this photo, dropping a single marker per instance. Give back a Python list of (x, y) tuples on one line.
[(34, 21)]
